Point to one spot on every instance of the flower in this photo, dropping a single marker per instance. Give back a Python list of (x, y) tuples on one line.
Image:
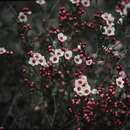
[(22, 17), (85, 3), (42, 61), (89, 62), (61, 37), (94, 91), (59, 52), (68, 54), (40, 2), (74, 1), (77, 59), (120, 82), (54, 59), (2, 50), (109, 31), (32, 61)]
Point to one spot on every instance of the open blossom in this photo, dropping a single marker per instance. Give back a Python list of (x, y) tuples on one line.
[(54, 59), (120, 82), (85, 3), (68, 54), (61, 37), (40, 2), (89, 62), (77, 59), (59, 52), (109, 31), (22, 17), (2, 50), (37, 59), (33, 61), (94, 91)]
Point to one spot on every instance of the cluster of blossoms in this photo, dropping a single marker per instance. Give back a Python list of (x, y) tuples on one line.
[(89, 100), (82, 88), (3, 51), (109, 29), (85, 3), (37, 59), (121, 77)]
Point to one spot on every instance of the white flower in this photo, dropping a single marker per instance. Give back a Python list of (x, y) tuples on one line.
[(37, 55), (68, 54), (54, 59), (2, 50), (22, 17), (89, 62), (32, 61), (40, 2), (109, 31), (61, 37), (94, 91), (59, 52), (85, 3), (74, 1), (120, 21), (77, 59), (120, 82), (42, 61)]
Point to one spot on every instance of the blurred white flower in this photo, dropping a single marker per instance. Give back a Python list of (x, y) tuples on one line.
[(89, 62), (74, 1), (94, 91), (42, 61), (77, 59), (22, 17), (2, 50), (32, 61), (54, 59), (68, 54), (61, 37), (109, 31), (40, 2), (59, 52), (85, 3), (120, 82)]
